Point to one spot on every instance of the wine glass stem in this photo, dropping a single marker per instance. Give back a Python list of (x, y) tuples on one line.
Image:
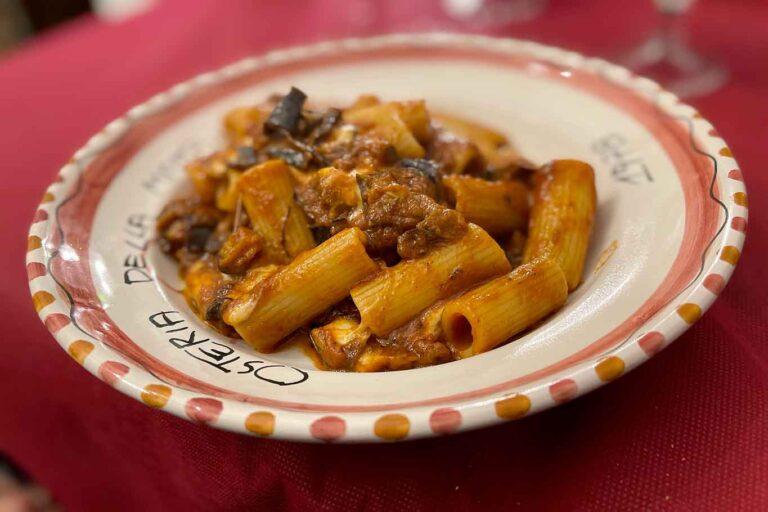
[(670, 32)]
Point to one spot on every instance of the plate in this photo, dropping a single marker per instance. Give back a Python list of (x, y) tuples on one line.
[(670, 226)]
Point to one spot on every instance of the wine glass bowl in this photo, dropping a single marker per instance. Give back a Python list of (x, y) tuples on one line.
[(667, 57)]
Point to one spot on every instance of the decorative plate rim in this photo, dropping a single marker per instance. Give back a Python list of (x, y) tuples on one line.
[(409, 422)]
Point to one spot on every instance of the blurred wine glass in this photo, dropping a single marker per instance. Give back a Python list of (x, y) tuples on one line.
[(488, 14), (667, 57)]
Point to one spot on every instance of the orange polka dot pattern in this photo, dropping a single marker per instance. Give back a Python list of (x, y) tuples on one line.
[(513, 407), (740, 198), (42, 299), (261, 423), (689, 312), (79, 350), (730, 254), (34, 242), (392, 427), (156, 395), (609, 368)]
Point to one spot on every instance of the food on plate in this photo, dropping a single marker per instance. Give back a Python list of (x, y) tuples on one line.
[(561, 218), (388, 236)]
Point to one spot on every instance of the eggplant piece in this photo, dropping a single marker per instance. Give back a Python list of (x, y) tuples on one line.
[(328, 121), (290, 156), (362, 187), (286, 115), (428, 168), (213, 313), (245, 159), (320, 233), (309, 149), (198, 237)]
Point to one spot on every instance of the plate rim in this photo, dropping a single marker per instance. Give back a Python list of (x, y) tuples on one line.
[(408, 422)]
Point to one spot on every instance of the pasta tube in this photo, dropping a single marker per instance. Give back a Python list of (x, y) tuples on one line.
[(301, 290), (561, 217), (399, 293), (391, 122), (227, 194), (206, 174), (477, 133), (241, 124), (268, 198), (457, 156), (415, 116), (486, 316), (492, 144), (496, 206)]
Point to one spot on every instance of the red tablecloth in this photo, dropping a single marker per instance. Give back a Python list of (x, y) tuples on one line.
[(688, 430)]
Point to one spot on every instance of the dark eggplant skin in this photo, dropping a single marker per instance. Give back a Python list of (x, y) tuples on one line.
[(286, 115), (198, 236), (328, 121), (290, 156), (308, 149), (245, 159), (428, 168), (320, 233)]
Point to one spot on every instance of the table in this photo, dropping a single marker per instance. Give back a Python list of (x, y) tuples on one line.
[(686, 431)]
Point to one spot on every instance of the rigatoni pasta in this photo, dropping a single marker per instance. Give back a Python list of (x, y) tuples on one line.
[(399, 293), (492, 144), (484, 317), (391, 121), (564, 203), (499, 207), (228, 196), (383, 236), (267, 194), (301, 290)]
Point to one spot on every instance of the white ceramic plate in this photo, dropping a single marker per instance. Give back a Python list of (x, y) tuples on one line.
[(670, 227)]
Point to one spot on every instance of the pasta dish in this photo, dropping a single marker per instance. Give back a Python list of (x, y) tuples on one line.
[(388, 236)]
